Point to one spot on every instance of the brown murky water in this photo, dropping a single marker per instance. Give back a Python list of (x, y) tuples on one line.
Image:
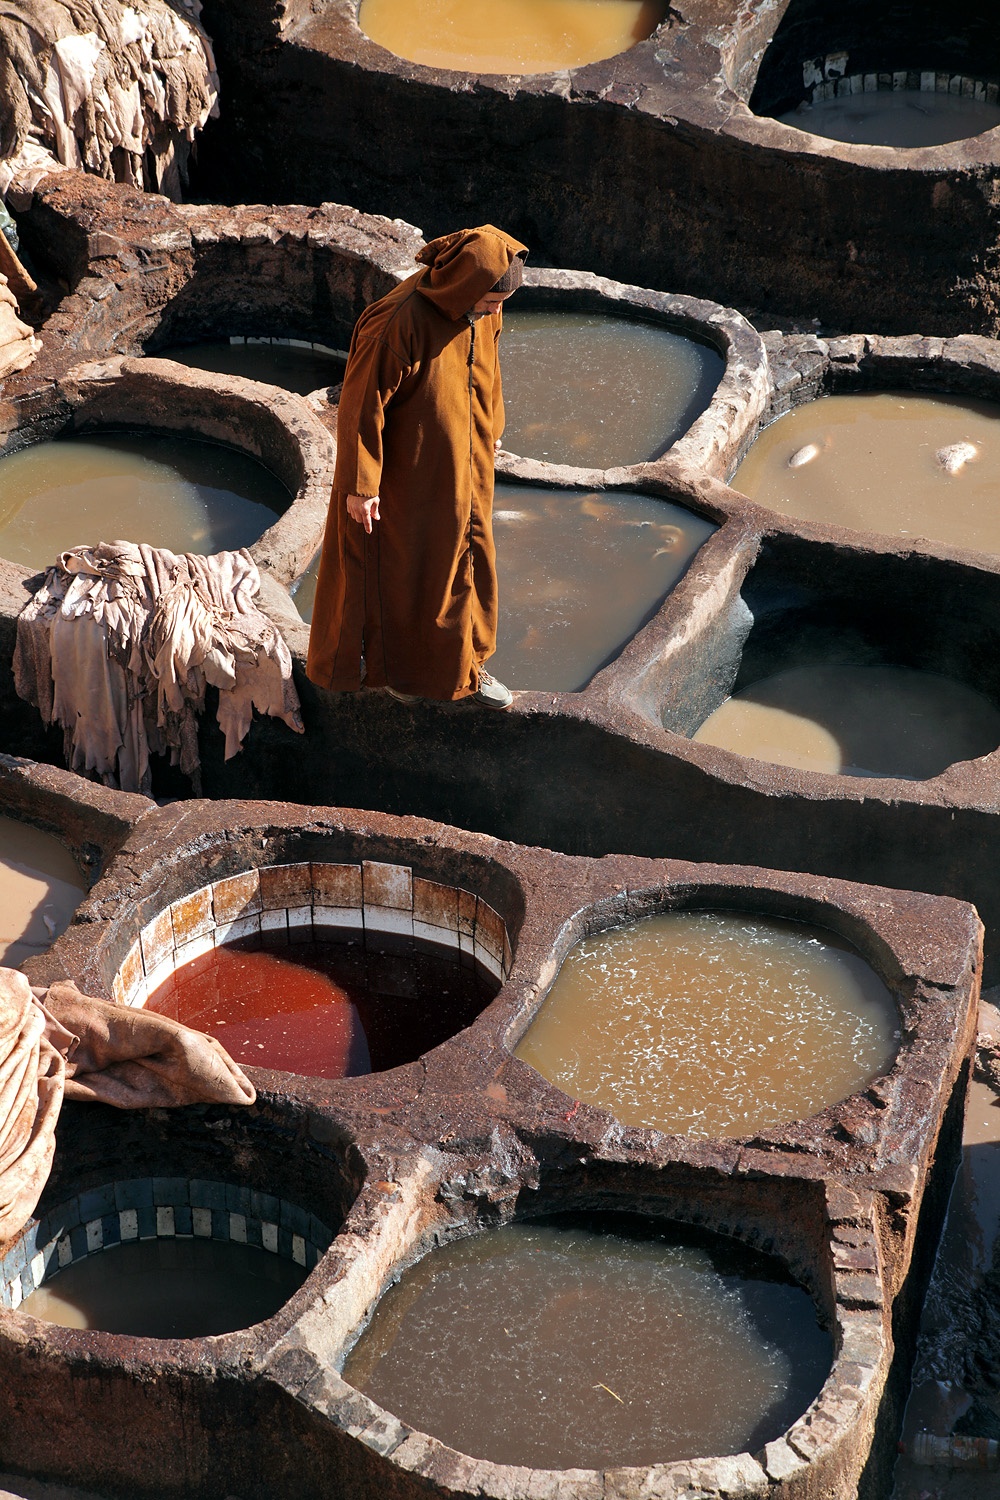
[(593, 1342), (508, 36), (293, 368), (40, 889), (173, 492), (713, 1023), (872, 462), (597, 391), (901, 117), (856, 721), (579, 573), (168, 1289)]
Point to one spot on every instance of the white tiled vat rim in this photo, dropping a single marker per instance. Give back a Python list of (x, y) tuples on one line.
[(826, 79), (356, 901), (150, 1208)]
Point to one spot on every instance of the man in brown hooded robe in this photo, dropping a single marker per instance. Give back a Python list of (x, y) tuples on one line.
[(407, 594)]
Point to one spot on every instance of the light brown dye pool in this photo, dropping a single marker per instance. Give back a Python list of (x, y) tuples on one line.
[(579, 574), (40, 889), (597, 391), (173, 492), (856, 721), (900, 117), (870, 462), (168, 1289), (586, 1343), (713, 1023), (509, 36)]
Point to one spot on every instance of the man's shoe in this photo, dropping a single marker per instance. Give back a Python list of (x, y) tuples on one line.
[(404, 697), (490, 693)]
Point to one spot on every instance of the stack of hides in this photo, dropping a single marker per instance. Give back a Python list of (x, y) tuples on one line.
[(118, 89), (120, 641)]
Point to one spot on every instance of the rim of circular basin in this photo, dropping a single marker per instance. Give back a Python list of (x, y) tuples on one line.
[(719, 433), (858, 1368), (116, 393)]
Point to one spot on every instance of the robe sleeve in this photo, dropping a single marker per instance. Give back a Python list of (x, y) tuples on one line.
[(499, 415), (373, 375)]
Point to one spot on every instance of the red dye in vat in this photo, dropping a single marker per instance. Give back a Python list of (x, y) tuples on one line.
[(328, 1010)]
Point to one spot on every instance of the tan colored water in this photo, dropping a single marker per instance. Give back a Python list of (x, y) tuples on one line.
[(590, 1343), (172, 492), (509, 36), (294, 369), (579, 573), (856, 721), (596, 391), (876, 467), (713, 1023), (168, 1288), (40, 889), (901, 117)]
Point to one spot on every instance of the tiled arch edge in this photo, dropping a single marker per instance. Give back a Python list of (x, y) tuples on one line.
[(368, 899)]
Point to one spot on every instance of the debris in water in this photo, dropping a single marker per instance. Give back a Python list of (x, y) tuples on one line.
[(955, 457)]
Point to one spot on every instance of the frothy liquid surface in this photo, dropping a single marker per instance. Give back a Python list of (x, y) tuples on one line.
[(596, 391), (172, 492), (326, 1010), (40, 889), (900, 117), (875, 467), (558, 1345), (508, 36), (579, 574), (713, 1023), (300, 370), (856, 721), (168, 1289)]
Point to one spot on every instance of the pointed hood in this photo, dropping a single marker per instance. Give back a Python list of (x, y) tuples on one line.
[(462, 267)]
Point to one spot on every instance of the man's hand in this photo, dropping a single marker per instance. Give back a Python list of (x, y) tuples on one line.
[(363, 511), (498, 444)]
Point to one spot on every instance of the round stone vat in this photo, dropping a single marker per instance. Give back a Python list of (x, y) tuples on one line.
[(474, 1344), (542, 1278), (330, 967), (830, 672), (211, 416), (204, 1193), (905, 64), (897, 463), (165, 1257), (709, 1023), (297, 365)]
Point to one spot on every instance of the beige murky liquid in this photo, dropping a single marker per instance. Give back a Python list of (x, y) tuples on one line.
[(856, 721), (40, 889), (587, 1343), (596, 391), (578, 575), (509, 36), (178, 493), (871, 462), (713, 1023), (305, 590), (293, 368), (901, 117), (168, 1289)]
